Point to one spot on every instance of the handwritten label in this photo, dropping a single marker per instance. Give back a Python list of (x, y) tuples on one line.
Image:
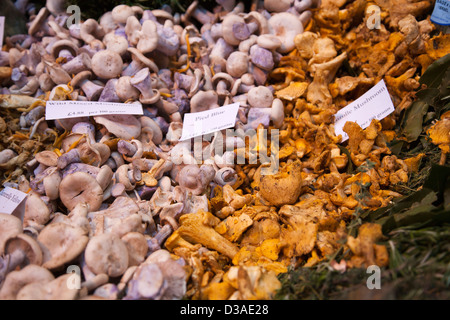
[(201, 123), (374, 104), (2, 29), (10, 200), (76, 109)]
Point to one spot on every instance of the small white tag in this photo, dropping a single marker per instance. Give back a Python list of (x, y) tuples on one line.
[(10, 200), (75, 109), (209, 121), (374, 104), (2, 30)]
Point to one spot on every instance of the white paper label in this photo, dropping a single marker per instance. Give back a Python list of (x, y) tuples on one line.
[(10, 199), (209, 121), (75, 109), (374, 104), (2, 29)]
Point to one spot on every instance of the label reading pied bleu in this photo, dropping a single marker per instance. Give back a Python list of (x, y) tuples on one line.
[(75, 109), (374, 104), (10, 199), (2, 29), (209, 121)]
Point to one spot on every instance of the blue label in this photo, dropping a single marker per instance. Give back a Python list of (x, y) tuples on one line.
[(441, 12)]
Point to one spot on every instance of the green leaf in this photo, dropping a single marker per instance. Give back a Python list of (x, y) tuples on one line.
[(344, 150), (413, 120), (428, 95), (435, 73)]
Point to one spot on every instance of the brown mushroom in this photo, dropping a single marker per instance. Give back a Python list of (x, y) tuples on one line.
[(16, 280), (54, 290), (107, 64), (80, 187), (107, 254), (10, 226), (61, 243)]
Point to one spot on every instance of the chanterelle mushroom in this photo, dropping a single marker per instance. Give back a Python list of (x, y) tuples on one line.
[(283, 187), (198, 228)]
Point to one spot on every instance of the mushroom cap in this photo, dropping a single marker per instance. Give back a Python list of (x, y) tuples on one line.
[(260, 97), (132, 28), (16, 280), (54, 290), (237, 64), (38, 21), (80, 77), (47, 158), (61, 243), (227, 28), (204, 100), (281, 188), (125, 90), (125, 127), (116, 43), (277, 5), (148, 283), (80, 187), (60, 45), (107, 64), (10, 226), (107, 254), (121, 13), (257, 17), (36, 211), (277, 113), (143, 59), (148, 37), (29, 246), (137, 247), (285, 26), (51, 184), (147, 122), (268, 41)]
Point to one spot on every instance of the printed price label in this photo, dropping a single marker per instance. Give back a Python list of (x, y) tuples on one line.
[(209, 121), (75, 109), (2, 29), (10, 200), (374, 104)]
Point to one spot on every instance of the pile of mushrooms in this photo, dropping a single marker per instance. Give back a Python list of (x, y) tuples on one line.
[(121, 199)]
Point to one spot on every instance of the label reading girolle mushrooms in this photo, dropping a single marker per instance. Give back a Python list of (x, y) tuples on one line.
[(374, 104), (209, 121), (76, 109)]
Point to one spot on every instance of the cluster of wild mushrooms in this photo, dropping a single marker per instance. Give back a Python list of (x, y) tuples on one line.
[(126, 203)]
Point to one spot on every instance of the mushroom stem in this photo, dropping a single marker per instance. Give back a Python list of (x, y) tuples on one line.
[(443, 158), (91, 90), (155, 243), (126, 148), (143, 82), (132, 68)]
